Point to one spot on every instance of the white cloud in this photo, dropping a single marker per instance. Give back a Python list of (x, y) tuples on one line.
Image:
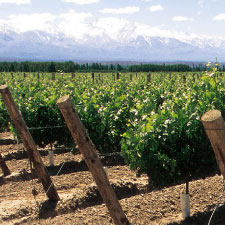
[(155, 8), (181, 19), (17, 2), (219, 17), (112, 26), (26, 22), (125, 10), (74, 24), (71, 23), (146, 0), (81, 2), (73, 15)]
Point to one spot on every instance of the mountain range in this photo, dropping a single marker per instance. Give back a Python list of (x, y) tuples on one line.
[(53, 44)]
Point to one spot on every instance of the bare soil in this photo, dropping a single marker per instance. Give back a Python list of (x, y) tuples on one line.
[(23, 201)]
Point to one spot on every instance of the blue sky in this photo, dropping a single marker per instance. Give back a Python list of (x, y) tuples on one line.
[(79, 17)]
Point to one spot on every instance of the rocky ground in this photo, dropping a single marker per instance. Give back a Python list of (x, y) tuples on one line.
[(23, 201)]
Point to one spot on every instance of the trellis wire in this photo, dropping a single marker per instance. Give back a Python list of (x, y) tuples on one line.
[(34, 193), (54, 127), (217, 204), (48, 127), (57, 174)]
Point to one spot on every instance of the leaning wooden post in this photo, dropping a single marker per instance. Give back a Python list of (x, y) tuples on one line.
[(88, 150), (29, 144), (215, 130), (4, 167)]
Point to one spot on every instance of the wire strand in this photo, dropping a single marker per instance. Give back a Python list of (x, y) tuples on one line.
[(56, 175), (218, 202), (48, 127)]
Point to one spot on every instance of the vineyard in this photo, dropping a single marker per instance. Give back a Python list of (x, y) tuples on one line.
[(150, 122)]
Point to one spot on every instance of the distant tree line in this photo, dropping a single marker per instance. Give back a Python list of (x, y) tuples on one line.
[(66, 67), (157, 68), (69, 66)]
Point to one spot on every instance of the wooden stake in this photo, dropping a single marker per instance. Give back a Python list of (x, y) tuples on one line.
[(118, 76), (4, 167), (113, 77), (53, 76), (88, 150), (148, 78), (215, 130), (193, 77), (29, 144), (184, 79)]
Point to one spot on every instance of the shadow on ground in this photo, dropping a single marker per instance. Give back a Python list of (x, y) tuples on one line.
[(47, 209)]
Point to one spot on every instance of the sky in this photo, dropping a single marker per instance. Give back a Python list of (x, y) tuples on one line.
[(79, 17)]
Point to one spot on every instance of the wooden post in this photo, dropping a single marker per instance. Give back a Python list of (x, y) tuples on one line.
[(93, 76), (12, 75), (148, 78), (4, 167), (184, 79), (102, 78), (117, 76), (131, 77), (215, 130), (38, 76), (29, 144), (53, 76), (88, 150), (193, 77), (73, 75), (24, 75)]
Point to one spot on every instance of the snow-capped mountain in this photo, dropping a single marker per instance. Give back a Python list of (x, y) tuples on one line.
[(52, 43)]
